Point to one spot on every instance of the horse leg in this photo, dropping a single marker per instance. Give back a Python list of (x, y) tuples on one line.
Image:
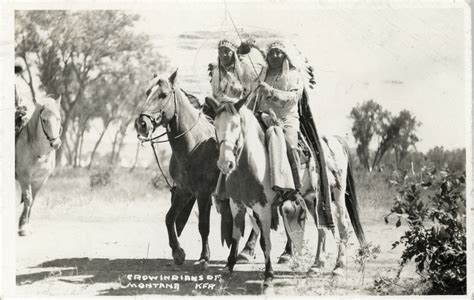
[(319, 260), (178, 200), (343, 228), (248, 253), (27, 199), (238, 216), (310, 200), (264, 221), (287, 254), (204, 205)]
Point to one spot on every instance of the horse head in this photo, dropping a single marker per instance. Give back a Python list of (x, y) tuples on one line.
[(229, 134), (159, 107), (50, 119)]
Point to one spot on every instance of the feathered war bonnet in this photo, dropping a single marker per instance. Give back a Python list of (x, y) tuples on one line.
[(294, 59), (233, 47)]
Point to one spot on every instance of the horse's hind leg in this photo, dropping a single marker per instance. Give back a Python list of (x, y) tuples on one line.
[(248, 253), (343, 228), (178, 200), (27, 199), (204, 205)]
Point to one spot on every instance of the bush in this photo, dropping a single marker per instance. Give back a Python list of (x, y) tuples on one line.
[(100, 176), (434, 207)]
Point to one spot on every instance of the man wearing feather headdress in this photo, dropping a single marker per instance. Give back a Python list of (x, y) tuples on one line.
[(236, 75), (284, 94)]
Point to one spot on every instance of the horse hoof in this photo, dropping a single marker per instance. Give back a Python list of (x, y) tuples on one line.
[(24, 232), (284, 259), (178, 256), (318, 264), (226, 270), (201, 264), (314, 271), (338, 272), (245, 258), (268, 289)]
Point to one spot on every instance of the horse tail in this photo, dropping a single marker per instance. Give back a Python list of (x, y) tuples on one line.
[(351, 197), (183, 215)]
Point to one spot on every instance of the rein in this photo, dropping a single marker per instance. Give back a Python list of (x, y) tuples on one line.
[(50, 140), (153, 141)]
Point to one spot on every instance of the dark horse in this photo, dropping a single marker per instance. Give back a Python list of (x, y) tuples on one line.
[(193, 164)]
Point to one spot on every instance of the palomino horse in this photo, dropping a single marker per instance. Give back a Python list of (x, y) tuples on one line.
[(35, 154), (244, 159)]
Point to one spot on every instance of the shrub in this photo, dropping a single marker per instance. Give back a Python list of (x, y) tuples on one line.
[(434, 207), (100, 176)]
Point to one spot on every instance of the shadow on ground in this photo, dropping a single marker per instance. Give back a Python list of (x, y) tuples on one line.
[(147, 276)]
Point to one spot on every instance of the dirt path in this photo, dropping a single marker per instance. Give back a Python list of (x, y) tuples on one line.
[(76, 254)]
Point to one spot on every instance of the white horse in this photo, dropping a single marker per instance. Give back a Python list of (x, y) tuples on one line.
[(244, 158), (35, 154)]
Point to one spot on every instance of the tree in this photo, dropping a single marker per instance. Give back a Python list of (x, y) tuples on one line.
[(393, 133), (368, 118), (406, 125), (76, 52)]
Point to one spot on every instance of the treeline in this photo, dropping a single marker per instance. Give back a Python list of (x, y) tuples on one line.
[(96, 62), (395, 139)]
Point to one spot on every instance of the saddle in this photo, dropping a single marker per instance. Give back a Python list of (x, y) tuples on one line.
[(281, 169)]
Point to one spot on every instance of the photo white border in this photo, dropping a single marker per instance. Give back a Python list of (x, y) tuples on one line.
[(8, 224)]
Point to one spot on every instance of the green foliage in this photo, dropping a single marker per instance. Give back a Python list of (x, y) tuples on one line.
[(434, 208)]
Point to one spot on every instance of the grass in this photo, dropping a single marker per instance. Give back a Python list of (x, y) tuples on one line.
[(132, 197), (68, 195)]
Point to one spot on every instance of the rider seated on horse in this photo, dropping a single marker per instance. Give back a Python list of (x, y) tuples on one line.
[(24, 103), (278, 92)]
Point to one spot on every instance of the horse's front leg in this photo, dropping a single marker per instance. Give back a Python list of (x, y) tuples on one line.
[(27, 199), (204, 205), (238, 216), (264, 221), (178, 200)]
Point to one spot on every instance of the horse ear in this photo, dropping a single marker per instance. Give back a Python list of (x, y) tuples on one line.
[(172, 77), (213, 103), (238, 105)]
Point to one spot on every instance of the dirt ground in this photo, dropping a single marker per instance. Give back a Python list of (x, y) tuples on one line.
[(99, 248)]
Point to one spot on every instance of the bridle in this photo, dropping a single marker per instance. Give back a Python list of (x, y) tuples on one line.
[(158, 120), (50, 139), (236, 146)]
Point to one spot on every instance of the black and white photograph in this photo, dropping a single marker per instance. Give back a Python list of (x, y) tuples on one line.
[(236, 148)]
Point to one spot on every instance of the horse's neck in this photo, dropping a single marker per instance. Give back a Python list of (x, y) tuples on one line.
[(36, 136), (254, 137), (181, 133)]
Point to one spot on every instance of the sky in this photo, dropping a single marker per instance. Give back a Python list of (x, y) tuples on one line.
[(403, 58)]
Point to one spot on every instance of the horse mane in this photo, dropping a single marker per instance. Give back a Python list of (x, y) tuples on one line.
[(193, 99)]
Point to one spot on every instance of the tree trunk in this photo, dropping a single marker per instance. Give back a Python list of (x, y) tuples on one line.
[(114, 146), (106, 126), (30, 79), (135, 161)]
